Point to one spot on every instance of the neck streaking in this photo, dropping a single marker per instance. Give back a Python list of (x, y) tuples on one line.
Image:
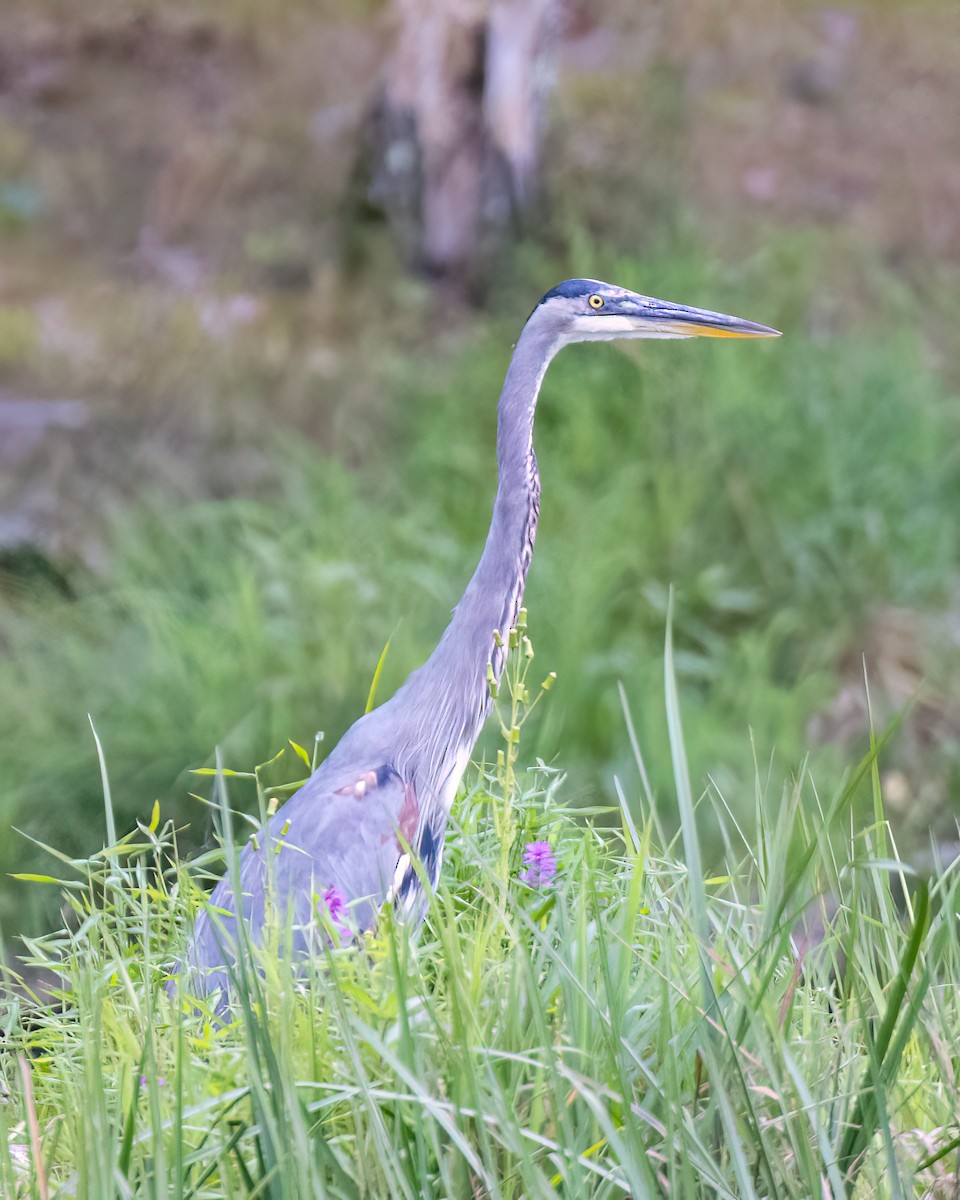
[(452, 685)]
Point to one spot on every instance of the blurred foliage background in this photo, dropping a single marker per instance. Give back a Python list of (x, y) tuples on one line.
[(242, 445)]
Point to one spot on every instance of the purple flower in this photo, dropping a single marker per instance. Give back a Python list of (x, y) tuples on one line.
[(540, 865), (336, 904), (145, 1082)]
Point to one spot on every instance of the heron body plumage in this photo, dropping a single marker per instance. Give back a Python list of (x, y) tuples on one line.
[(376, 809)]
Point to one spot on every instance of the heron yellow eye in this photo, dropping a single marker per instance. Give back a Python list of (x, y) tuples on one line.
[(595, 301)]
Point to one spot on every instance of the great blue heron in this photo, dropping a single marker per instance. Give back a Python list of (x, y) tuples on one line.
[(384, 792)]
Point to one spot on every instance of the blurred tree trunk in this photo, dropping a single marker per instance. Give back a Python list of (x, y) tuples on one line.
[(457, 130)]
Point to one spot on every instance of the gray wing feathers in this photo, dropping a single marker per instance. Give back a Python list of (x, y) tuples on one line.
[(348, 833)]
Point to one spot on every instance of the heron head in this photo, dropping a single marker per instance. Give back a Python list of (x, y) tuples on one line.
[(588, 310)]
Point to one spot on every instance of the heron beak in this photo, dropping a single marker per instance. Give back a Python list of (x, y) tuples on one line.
[(643, 317), (663, 319)]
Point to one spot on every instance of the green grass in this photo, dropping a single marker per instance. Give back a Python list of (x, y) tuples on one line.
[(636, 1029)]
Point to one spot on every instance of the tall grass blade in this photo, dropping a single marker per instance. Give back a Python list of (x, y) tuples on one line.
[(696, 889), (375, 682), (105, 784), (885, 1052)]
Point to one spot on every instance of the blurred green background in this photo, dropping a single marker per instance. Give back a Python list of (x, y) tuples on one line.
[(242, 446)]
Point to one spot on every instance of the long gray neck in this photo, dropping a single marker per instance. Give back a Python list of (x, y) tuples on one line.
[(451, 689), (494, 594)]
